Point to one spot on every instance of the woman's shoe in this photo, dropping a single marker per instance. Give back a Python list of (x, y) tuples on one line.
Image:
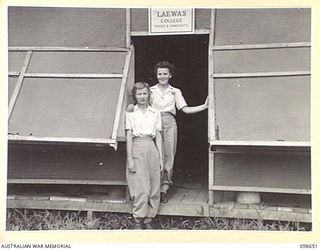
[(147, 226), (163, 198), (138, 226)]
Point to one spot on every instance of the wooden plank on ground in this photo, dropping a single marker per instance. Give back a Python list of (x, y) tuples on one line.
[(191, 196), (203, 196), (300, 210), (180, 209), (259, 214), (176, 195), (241, 206), (77, 205), (59, 198)]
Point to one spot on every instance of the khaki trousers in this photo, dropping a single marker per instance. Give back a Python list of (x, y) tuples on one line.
[(144, 184), (169, 137)]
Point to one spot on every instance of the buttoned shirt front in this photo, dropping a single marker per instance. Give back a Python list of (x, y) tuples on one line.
[(143, 123), (167, 101)]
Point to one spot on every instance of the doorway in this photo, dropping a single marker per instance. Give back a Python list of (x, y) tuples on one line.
[(189, 54)]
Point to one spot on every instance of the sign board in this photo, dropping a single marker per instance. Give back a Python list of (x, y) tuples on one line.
[(171, 21)]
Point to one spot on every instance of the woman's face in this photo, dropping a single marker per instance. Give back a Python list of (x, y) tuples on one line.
[(163, 75), (142, 96)]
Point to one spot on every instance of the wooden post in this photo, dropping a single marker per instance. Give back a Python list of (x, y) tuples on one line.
[(262, 46), (211, 109), (261, 74), (128, 28), (121, 96), (68, 49), (19, 84)]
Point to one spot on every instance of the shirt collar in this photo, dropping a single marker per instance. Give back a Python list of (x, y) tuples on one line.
[(169, 89), (137, 108)]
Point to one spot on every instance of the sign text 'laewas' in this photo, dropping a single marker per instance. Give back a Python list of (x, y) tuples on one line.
[(171, 21)]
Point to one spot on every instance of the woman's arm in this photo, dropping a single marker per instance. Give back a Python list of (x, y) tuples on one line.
[(159, 147), (195, 109), (130, 165)]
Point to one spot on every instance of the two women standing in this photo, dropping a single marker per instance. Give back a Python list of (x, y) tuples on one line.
[(152, 141)]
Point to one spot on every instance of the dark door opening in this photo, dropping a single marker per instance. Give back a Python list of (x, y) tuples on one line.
[(189, 54)]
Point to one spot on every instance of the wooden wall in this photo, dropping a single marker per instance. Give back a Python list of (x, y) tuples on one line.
[(259, 26), (262, 108), (44, 26), (261, 87), (288, 171), (66, 164), (74, 108)]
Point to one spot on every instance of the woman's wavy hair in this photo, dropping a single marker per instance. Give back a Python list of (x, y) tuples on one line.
[(140, 85), (164, 64)]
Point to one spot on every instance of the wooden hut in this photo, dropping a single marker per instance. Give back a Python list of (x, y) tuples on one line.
[(70, 76)]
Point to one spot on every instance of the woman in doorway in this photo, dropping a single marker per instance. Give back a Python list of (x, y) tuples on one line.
[(166, 99), (144, 156)]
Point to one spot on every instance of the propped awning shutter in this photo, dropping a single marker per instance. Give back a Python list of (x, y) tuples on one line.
[(69, 69), (68, 95)]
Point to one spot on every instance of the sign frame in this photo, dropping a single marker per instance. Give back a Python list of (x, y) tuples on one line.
[(165, 23)]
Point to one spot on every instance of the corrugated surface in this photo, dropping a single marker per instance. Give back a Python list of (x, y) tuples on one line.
[(250, 26), (76, 108), (263, 109), (34, 26), (262, 170)]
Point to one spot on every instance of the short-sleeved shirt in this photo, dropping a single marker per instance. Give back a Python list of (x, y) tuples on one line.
[(167, 101), (143, 124)]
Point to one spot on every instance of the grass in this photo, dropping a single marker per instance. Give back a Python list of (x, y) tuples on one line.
[(28, 219)]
